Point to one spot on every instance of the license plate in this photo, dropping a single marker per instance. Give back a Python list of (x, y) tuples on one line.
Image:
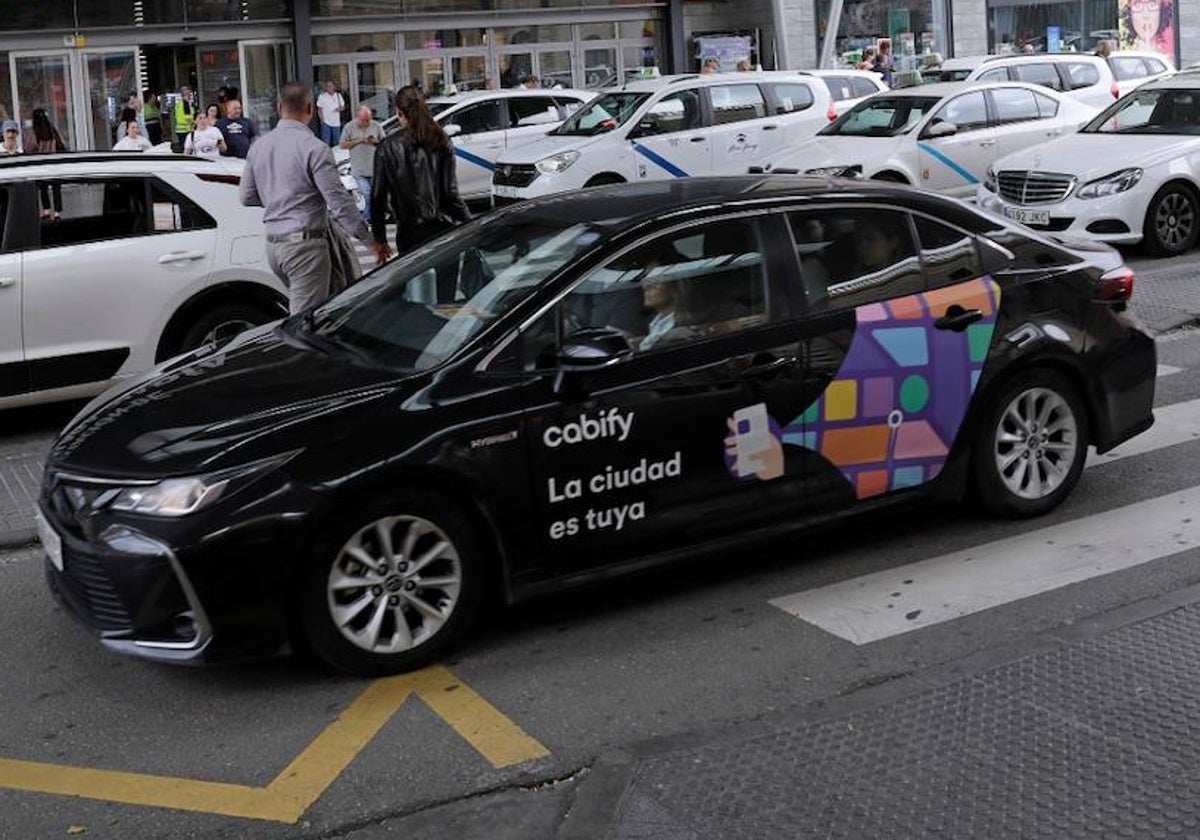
[(505, 191), (1028, 217), (51, 542)]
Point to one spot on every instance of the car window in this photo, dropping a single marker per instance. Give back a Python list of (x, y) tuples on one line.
[(855, 256), (604, 113), (1047, 105), (1162, 111), (1155, 66), (1015, 105), (684, 287), (533, 110), (881, 116), (1000, 74), (862, 87), (840, 87), (4, 244), (791, 97), (1039, 73), (735, 103), (1129, 67), (1030, 254), (485, 116), (92, 210), (948, 255), (967, 111), (678, 112), (1081, 75), (569, 104)]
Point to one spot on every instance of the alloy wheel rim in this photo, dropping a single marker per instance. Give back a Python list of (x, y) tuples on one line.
[(1174, 220), (1036, 443), (394, 585), (226, 330)]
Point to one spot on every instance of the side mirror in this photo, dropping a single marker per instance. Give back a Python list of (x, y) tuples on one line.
[(941, 129), (588, 351), (644, 129), (452, 130)]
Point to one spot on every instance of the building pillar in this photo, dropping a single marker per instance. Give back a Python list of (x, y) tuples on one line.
[(968, 23), (676, 41), (796, 34), (1189, 31), (302, 39)]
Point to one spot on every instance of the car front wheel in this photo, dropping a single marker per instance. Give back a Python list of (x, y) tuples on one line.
[(1172, 221), (393, 590), (1032, 446)]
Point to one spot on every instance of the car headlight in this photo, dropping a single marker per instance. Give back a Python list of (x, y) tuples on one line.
[(1117, 182), (557, 163), (842, 171), (174, 497), (989, 180)]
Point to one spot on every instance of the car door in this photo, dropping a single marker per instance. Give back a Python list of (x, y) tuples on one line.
[(102, 279), (14, 376), (478, 136), (742, 134), (1021, 120), (677, 443), (896, 333), (956, 163), (530, 117), (670, 139), (796, 106)]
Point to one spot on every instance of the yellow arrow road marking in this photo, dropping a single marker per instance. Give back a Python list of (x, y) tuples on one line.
[(305, 779)]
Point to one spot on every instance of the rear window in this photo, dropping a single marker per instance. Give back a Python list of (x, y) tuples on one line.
[(1039, 74), (1000, 74), (1015, 105), (840, 87), (1047, 105), (1082, 75), (735, 103), (791, 97)]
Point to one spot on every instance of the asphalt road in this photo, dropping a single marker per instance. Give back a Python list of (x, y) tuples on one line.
[(678, 655)]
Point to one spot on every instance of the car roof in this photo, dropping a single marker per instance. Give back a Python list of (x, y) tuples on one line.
[(93, 163), (622, 208), (508, 93), (966, 62), (652, 85), (1018, 57), (1184, 79)]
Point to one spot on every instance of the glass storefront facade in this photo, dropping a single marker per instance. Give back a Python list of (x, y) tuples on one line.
[(915, 28), (1082, 25)]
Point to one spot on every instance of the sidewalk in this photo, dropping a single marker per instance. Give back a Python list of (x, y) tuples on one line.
[(20, 477)]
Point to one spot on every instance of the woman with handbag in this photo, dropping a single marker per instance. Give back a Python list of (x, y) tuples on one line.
[(415, 177)]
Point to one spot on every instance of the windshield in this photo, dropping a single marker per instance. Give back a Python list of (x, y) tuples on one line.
[(419, 311), (1164, 111), (882, 116), (436, 108), (606, 112)]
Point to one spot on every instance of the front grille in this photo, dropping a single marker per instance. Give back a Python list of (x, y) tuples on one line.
[(1034, 187), (86, 586), (514, 174)]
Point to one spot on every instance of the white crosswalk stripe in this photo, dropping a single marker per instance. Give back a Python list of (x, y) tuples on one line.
[(895, 601)]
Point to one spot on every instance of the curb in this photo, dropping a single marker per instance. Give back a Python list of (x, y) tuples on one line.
[(20, 538), (598, 800)]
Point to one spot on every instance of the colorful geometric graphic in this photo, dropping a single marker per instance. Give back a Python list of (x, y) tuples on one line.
[(894, 408)]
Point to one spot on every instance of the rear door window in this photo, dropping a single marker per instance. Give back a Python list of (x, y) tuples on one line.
[(948, 255), (532, 110), (840, 87), (1127, 67), (1080, 75), (1047, 105), (968, 111), (791, 97), (862, 87), (1039, 73), (999, 74), (736, 103), (1015, 105), (476, 119)]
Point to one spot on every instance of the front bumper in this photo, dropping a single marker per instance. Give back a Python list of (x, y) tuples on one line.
[(1116, 219)]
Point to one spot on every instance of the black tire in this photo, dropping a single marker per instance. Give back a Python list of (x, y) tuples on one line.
[(890, 177), (1055, 453), (604, 179), (1172, 221), (315, 601), (223, 323)]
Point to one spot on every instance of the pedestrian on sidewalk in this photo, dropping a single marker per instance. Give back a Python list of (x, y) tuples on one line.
[(360, 138), (183, 117), (133, 141), (292, 175), (11, 144), (152, 116), (331, 105), (44, 138), (204, 140), (415, 175), (238, 131)]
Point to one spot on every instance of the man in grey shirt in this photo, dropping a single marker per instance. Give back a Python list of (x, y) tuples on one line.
[(361, 137), (291, 174)]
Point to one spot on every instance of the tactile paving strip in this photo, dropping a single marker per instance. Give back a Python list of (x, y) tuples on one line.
[(1095, 739), (20, 478)]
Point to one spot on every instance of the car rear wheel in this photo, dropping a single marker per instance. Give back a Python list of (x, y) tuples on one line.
[(223, 323), (394, 589), (1172, 221), (1032, 446)]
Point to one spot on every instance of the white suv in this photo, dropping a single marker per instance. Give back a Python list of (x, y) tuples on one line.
[(671, 127), (149, 256), (1089, 78)]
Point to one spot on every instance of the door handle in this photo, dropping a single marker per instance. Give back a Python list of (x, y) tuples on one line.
[(182, 256), (699, 139), (770, 127), (766, 365), (5, 282), (987, 142), (957, 318)]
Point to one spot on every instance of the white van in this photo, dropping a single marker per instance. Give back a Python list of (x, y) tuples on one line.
[(672, 127)]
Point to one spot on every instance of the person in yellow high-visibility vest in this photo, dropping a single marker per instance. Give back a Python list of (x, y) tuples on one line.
[(184, 114)]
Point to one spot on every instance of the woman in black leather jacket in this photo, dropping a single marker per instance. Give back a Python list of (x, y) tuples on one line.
[(414, 176)]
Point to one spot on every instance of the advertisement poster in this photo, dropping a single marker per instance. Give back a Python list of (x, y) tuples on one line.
[(1148, 25), (1053, 39), (726, 49)]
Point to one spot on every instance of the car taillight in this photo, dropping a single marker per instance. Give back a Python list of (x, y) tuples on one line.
[(832, 114), (1116, 286), (219, 179), (1116, 91)]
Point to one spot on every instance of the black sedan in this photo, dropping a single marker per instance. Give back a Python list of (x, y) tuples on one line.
[(579, 386)]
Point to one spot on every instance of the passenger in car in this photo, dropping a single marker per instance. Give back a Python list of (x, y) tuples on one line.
[(663, 299)]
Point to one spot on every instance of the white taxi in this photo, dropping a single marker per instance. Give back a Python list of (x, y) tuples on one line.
[(1129, 176), (670, 127), (941, 136)]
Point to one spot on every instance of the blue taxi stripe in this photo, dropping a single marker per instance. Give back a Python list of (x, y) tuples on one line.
[(475, 159), (925, 147), (654, 157)]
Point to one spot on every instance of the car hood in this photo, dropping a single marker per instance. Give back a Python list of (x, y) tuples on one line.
[(544, 147), (264, 393), (1091, 156), (838, 151)]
